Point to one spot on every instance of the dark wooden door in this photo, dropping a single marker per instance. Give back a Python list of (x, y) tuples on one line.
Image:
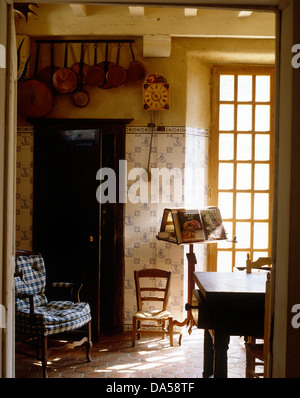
[(74, 232)]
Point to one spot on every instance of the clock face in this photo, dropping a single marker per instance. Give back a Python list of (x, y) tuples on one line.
[(156, 93)]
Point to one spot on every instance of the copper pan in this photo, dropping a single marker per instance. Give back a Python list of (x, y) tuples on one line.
[(35, 98), (81, 97), (106, 65), (116, 75), (136, 71), (65, 79), (95, 75)]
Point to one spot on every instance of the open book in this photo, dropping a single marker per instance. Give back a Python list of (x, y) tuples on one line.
[(188, 226)]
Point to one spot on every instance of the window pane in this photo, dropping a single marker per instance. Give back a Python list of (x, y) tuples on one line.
[(262, 89), (243, 205), (256, 255), (243, 176), (224, 261), (244, 88), (225, 204), (261, 176), (226, 88), (262, 118), (226, 117), (262, 147), (261, 206), (225, 146), (261, 238), (225, 176), (244, 117), (240, 259), (243, 235), (244, 147)]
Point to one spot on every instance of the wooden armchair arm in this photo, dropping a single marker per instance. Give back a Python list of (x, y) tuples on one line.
[(31, 302)]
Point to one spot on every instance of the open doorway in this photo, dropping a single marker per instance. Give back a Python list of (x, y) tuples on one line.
[(81, 240)]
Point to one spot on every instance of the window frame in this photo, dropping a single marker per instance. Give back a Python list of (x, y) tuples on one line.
[(235, 70)]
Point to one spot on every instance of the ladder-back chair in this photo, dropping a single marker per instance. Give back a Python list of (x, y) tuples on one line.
[(260, 351), (156, 283)]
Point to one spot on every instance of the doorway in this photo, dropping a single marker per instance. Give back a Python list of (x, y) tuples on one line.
[(81, 240)]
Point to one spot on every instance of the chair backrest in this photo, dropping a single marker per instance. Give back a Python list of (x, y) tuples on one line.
[(263, 263), (30, 278), (156, 283)]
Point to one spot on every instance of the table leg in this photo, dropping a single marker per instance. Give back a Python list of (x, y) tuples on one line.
[(221, 345), (208, 360)]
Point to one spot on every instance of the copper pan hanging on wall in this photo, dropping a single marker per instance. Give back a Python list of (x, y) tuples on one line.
[(136, 71), (35, 98), (95, 75), (45, 75), (81, 97), (77, 66), (65, 79), (116, 75), (106, 65)]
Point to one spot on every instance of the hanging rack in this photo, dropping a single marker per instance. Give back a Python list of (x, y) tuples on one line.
[(40, 41)]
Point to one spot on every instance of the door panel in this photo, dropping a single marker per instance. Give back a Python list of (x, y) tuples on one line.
[(81, 240)]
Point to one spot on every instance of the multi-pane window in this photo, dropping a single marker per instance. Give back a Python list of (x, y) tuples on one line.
[(241, 166)]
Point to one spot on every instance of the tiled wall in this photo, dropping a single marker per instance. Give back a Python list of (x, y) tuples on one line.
[(184, 148), (24, 187), (177, 147)]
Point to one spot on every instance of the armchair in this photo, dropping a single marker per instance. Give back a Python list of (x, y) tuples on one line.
[(41, 319)]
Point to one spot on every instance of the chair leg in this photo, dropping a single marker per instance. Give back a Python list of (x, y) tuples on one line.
[(133, 330), (171, 331), (44, 355), (89, 343)]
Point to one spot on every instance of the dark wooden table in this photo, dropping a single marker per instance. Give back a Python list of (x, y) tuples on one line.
[(227, 304)]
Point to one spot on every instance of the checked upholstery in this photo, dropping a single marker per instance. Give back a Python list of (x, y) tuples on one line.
[(37, 316)]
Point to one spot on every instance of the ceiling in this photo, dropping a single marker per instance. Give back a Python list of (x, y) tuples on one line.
[(126, 20)]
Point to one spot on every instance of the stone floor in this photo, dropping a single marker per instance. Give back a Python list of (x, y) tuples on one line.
[(152, 357)]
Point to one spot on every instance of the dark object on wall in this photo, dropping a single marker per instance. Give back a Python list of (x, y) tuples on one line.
[(24, 9)]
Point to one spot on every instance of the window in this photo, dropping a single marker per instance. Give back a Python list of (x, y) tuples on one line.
[(241, 167)]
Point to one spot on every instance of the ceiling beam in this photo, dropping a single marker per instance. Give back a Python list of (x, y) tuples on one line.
[(79, 10)]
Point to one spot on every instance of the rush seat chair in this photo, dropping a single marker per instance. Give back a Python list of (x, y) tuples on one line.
[(38, 319), (156, 283)]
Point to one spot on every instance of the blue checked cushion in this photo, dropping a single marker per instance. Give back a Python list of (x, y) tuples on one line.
[(54, 317), (49, 317), (32, 282)]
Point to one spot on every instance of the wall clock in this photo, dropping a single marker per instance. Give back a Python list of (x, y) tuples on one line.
[(156, 93)]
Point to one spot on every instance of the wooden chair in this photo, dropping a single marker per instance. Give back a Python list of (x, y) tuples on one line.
[(260, 351), (38, 319), (157, 284), (262, 263)]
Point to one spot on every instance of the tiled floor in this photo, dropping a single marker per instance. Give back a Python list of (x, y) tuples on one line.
[(114, 357)]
